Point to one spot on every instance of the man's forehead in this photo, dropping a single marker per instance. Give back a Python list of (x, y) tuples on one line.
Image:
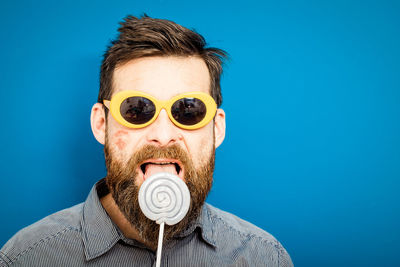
[(163, 77)]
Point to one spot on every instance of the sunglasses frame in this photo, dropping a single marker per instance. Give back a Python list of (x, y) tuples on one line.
[(115, 103)]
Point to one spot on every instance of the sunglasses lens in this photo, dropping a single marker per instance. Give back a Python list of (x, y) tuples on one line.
[(137, 110), (188, 111)]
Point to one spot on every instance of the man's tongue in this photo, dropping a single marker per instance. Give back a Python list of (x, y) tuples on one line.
[(156, 168)]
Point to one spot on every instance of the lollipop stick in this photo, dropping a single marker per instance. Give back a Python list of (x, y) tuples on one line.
[(159, 247)]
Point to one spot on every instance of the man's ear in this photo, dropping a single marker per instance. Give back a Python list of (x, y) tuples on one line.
[(98, 122), (219, 127)]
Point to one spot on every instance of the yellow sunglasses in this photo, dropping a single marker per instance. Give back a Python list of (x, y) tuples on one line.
[(135, 109)]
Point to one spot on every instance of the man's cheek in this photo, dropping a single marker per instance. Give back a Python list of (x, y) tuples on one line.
[(120, 139)]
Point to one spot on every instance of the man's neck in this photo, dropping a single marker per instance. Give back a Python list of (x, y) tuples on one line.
[(119, 219)]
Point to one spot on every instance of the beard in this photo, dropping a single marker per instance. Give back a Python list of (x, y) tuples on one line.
[(121, 181)]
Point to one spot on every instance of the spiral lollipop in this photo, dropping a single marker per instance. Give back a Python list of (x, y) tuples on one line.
[(164, 198)]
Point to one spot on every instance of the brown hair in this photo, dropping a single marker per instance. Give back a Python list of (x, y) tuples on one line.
[(145, 36)]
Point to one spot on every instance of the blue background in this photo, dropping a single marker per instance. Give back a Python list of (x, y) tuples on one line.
[(312, 152)]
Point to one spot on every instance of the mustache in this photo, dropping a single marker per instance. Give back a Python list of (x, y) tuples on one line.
[(150, 152), (147, 152)]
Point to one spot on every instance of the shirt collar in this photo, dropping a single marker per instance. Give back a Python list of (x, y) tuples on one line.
[(205, 224), (100, 234), (98, 231)]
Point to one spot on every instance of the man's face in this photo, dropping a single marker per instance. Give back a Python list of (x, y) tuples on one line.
[(132, 155), (163, 78)]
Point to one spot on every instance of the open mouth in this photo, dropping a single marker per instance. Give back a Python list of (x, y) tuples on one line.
[(153, 166)]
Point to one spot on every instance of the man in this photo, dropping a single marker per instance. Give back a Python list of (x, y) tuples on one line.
[(156, 112)]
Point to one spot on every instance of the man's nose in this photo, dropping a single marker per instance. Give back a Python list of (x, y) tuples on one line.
[(162, 131)]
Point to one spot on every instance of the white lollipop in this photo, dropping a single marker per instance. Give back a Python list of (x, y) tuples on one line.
[(164, 198)]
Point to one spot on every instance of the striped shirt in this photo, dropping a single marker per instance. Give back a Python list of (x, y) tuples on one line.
[(84, 235)]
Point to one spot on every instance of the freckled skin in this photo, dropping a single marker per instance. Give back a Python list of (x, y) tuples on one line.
[(120, 133), (120, 144)]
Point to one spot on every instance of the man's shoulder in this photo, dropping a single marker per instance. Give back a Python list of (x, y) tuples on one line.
[(255, 245), (60, 224)]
